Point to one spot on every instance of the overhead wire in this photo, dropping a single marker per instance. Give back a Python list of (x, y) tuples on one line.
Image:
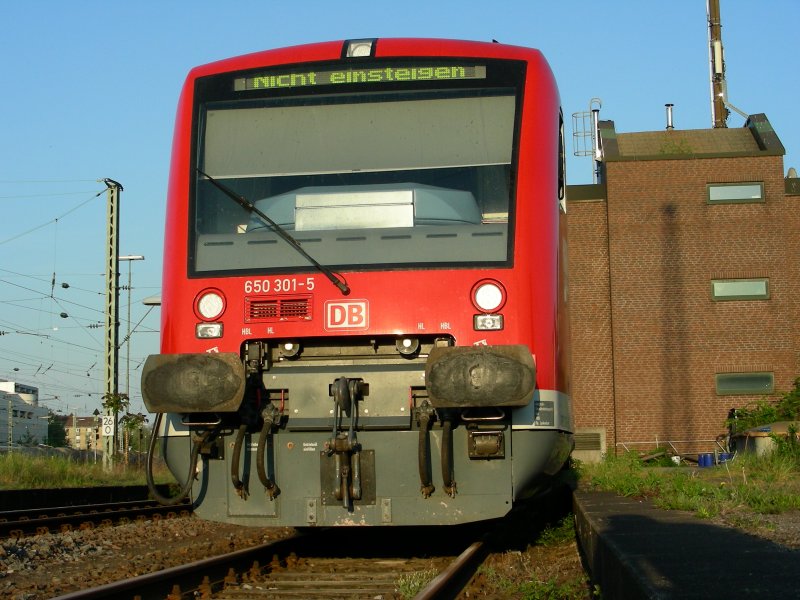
[(29, 231), (49, 371), (45, 195), (29, 181)]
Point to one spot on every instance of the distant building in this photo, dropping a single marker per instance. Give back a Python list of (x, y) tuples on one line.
[(83, 433), (21, 417), (684, 279)]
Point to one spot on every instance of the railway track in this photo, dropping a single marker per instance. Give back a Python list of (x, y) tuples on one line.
[(314, 565), (357, 577), (37, 521)]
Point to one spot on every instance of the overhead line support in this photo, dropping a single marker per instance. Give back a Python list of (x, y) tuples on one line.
[(112, 310)]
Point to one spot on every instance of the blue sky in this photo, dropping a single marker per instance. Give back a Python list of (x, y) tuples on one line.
[(89, 91)]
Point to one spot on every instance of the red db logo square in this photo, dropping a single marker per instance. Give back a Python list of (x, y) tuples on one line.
[(346, 316)]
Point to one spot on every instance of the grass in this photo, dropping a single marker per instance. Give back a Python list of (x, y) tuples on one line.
[(758, 484), (533, 588), (549, 568), (562, 533), (410, 584), (518, 574), (20, 471)]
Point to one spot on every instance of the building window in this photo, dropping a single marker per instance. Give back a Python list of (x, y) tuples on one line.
[(740, 289), (732, 193), (729, 384)]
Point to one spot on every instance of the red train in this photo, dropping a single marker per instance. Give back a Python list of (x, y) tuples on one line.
[(364, 289)]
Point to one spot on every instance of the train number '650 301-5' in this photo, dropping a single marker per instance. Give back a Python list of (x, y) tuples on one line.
[(278, 285)]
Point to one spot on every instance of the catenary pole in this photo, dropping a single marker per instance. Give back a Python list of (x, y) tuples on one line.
[(112, 312)]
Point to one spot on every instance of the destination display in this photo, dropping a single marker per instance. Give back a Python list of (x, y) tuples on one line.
[(306, 78)]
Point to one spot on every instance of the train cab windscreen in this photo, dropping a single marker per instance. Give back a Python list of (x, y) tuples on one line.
[(383, 178)]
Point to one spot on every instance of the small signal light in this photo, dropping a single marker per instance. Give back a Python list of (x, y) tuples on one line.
[(208, 330), (487, 322)]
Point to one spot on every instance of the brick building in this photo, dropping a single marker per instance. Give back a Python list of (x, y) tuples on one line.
[(683, 284)]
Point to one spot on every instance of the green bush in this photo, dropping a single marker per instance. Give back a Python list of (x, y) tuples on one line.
[(788, 447), (763, 411)]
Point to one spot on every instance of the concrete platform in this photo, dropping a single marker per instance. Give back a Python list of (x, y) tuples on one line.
[(634, 550)]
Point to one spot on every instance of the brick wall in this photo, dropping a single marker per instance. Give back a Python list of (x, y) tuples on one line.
[(647, 339), (590, 316)]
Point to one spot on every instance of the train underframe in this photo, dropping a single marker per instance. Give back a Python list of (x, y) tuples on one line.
[(380, 432)]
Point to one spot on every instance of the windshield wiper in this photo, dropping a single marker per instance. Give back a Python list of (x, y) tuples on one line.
[(251, 208)]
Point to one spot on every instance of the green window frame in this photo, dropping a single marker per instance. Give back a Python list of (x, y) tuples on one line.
[(738, 384), (724, 290), (735, 193)]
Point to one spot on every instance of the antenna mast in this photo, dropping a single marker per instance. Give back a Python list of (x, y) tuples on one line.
[(719, 112)]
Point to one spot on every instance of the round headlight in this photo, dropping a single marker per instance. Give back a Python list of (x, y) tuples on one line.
[(407, 346), (488, 296), (210, 305), (289, 349)]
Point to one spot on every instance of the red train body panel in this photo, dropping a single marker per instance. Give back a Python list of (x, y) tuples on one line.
[(410, 239)]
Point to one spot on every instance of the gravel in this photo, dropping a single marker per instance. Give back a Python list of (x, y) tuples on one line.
[(44, 566)]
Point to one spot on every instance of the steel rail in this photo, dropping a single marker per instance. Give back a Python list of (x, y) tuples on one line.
[(450, 582), (36, 521), (159, 584)]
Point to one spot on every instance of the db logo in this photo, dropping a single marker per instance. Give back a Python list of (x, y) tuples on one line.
[(353, 314)]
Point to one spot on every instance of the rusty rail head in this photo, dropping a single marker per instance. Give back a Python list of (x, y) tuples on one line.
[(454, 578), (189, 577)]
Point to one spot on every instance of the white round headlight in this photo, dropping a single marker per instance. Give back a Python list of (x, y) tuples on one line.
[(210, 305), (488, 297)]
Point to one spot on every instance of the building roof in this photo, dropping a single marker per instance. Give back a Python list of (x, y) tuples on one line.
[(756, 138), (691, 141), (81, 422)]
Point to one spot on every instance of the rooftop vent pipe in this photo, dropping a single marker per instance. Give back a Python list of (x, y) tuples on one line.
[(596, 143), (669, 116)]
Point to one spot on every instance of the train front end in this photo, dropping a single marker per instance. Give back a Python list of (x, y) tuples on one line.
[(364, 302)]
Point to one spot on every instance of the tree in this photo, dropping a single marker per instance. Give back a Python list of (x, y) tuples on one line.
[(116, 403), (131, 424), (56, 434), (27, 439)]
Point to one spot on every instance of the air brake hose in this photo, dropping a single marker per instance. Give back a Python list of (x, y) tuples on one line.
[(237, 452), (272, 489), (447, 458), (425, 477), (187, 486)]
